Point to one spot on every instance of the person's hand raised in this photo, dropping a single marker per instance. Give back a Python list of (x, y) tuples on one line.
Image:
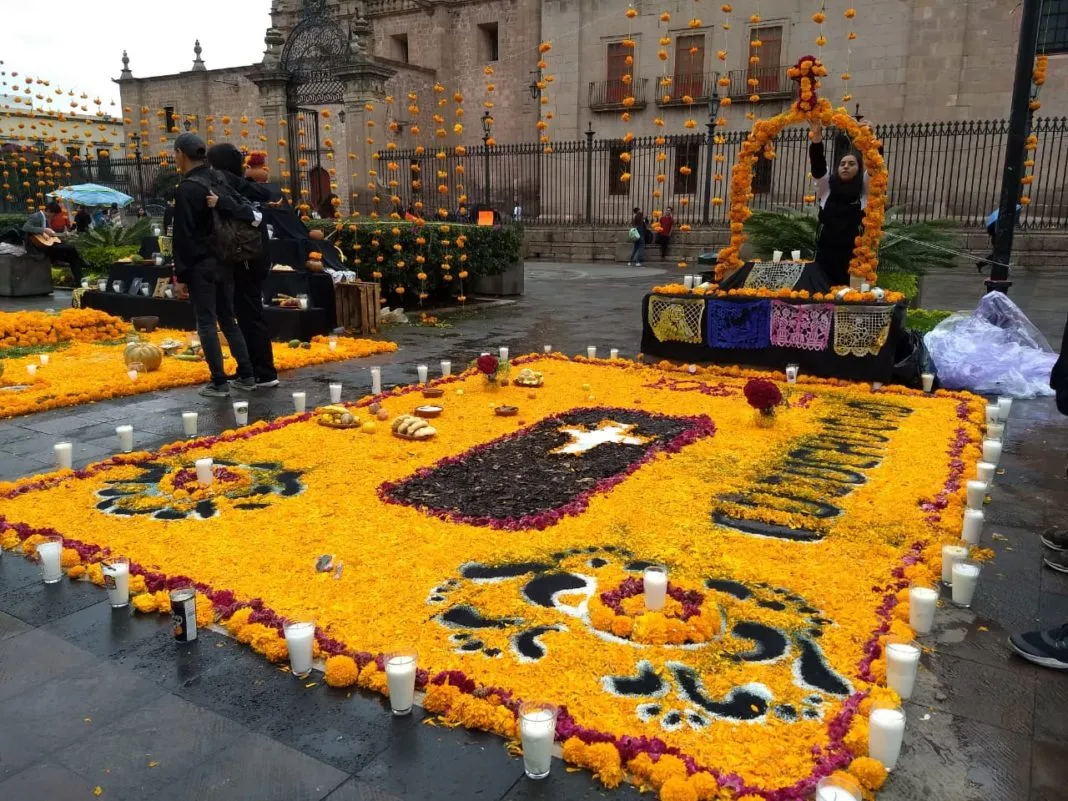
[(213, 199)]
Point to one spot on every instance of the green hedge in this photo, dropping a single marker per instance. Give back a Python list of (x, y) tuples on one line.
[(486, 251), (923, 320), (904, 283), (12, 221)]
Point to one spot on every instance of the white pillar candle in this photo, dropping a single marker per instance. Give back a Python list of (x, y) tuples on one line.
[(1004, 407), (991, 451), (424, 373), (332, 343), (503, 352), (965, 580), (125, 438), (299, 639), (864, 287), (886, 731), (31, 369), (446, 367), (547, 348), (64, 455), (131, 374), (50, 553), (902, 662), (117, 582), (400, 678), (241, 413), (952, 553), (972, 529), (537, 731), (591, 352), (928, 382), (376, 380), (613, 353), (995, 431), (189, 423), (984, 471), (205, 474), (976, 493), (792, 371), (300, 402), (795, 255), (335, 393), (44, 359), (776, 256), (832, 793), (687, 281), (993, 415), (923, 601), (654, 582)]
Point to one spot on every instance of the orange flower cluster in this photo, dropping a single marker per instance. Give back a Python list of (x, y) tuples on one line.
[(31, 329), (852, 296)]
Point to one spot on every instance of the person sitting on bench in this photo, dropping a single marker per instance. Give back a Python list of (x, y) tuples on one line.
[(43, 239)]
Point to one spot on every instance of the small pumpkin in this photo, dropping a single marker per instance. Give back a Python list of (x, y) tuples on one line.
[(316, 234), (145, 353), (313, 265)]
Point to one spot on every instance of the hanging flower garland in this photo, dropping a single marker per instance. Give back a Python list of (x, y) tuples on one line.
[(1038, 80), (850, 13), (542, 85)]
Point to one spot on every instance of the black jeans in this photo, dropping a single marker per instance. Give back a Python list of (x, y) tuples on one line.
[(69, 255), (248, 306), (211, 292), (663, 241)]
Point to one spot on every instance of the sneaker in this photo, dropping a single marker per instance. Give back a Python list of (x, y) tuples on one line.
[(639, 264), (1048, 648), (1058, 561), (271, 384), (212, 391), (244, 384), (1055, 539)]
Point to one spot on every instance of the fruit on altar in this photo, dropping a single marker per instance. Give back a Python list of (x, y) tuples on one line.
[(144, 353), (368, 428), (382, 415), (337, 416), (294, 343), (314, 265), (411, 427), (316, 235), (529, 378)]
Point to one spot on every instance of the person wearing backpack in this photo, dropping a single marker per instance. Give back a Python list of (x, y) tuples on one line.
[(197, 264)]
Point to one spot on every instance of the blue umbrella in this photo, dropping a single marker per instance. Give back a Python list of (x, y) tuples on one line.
[(93, 195)]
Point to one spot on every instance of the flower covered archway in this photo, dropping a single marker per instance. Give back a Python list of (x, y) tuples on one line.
[(806, 108)]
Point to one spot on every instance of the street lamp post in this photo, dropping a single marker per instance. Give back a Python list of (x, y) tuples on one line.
[(136, 137), (589, 172), (713, 115), (487, 122)]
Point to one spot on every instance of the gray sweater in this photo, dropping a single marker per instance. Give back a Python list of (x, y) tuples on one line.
[(36, 224)]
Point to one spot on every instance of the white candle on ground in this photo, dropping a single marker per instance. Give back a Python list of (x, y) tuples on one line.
[(654, 582), (125, 438), (332, 343), (131, 374), (993, 414), (299, 639), (795, 255), (400, 678), (613, 353), (241, 413), (44, 358), (300, 401), (791, 373), (537, 731), (951, 553), (834, 794), (548, 348), (776, 256), (376, 380), (991, 451), (972, 529), (976, 493), (984, 471), (902, 662), (591, 352), (965, 580), (50, 553), (504, 353), (335, 393), (31, 369), (923, 601), (424, 373), (885, 734), (205, 475), (446, 367), (64, 455), (928, 381), (189, 423), (117, 582), (1004, 407), (995, 431)]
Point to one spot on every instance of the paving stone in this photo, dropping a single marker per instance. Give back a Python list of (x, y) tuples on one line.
[(38, 603), (580, 786), (1051, 706), (16, 571), (106, 632), (355, 790), (1049, 769), (172, 664), (47, 781), (12, 626), (28, 660)]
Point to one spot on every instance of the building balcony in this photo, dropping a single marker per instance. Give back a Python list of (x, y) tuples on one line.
[(687, 88), (609, 95), (771, 83)]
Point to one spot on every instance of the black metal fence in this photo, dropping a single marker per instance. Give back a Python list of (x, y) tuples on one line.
[(938, 170)]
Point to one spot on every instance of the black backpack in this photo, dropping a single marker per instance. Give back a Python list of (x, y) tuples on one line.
[(233, 241)]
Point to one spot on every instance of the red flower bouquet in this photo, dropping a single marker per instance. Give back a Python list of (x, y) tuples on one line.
[(762, 395), (487, 365)]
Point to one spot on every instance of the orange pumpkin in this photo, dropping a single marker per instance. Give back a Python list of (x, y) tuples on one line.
[(316, 234), (314, 265)]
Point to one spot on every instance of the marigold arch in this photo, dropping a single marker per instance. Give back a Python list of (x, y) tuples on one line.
[(866, 253)]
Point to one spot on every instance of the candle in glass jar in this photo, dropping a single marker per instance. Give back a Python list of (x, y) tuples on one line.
[(131, 374), (117, 582), (991, 451), (125, 438), (299, 639), (831, 793), (335, 393), (952, 553), (886, 731), (1004, 407), (654, 583), (446, 367), (965, 581), (376, 380), (613, 353), (993, 414), (547, 348), (241, 413), (776, 256), (902, 662), (31, 369), (928, 380), (976, 493), (300, 402), (591, 352), (424, 373), (332, 343), (189, 423), (984, 471), (795, 255), (922, 604), (972, 529), (205, 472), (995, 431), (537, 732), (503, 350), (64, 455), (792, 371), (44, 358), (50, 553), (400, 678)]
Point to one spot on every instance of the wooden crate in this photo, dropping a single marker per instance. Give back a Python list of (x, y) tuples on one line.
[(358, 307)]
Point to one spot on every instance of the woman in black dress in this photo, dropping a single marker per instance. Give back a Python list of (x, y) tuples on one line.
[(842, 196)]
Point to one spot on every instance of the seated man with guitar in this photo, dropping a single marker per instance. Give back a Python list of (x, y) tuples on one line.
[(44, 240)]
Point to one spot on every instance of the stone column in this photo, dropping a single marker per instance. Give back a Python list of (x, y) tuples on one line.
[(272, 84), (364, 86)]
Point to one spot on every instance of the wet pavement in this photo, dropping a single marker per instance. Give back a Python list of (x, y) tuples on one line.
[(95, 697)]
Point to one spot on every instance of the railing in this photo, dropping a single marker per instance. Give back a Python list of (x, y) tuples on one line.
[(687, 88), (770, 82), (609, 95)]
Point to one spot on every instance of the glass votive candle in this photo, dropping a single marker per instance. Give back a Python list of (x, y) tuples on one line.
[(591, 352), (923, 601), (965, 580), (376, 380), (400, 679), (792, 371), (241, 413), (952, 552), (85, 283), (995, 431), (992, 414), (928, 380), (687, 281), (991, 451), (654, 583), (31, 369), (972, 528), (547, 348), (537, 732), (976, 493), (335, 393), (300, 402), (117, 581), (125, 434), (423, 371), (984, 471), (446, 367), (205, 471), (116, 286), (776, 256), (131, 374), (886, 732), (102, 285), (795, 255), (50, 554), (44, 359), (1004, 407), (841, 787), (332, 343), (299, 639), (64, 455), (503, 352), (189, 423), (902, 663), (613, 353)]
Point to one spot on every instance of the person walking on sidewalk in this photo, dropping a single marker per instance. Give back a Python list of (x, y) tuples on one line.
[(639, 230), (210, 282)]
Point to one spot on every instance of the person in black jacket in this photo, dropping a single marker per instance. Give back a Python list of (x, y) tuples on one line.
[(249, 277), (843, 197), (210, 282)]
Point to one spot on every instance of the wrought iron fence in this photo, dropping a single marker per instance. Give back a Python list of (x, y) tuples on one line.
[(939, 170)]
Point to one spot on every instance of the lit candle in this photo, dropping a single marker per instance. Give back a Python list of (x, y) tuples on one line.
[(299, 639), (886, 731), (972, 529), (984, 471), (504, 353), (902, 662), (31, 369), (928, 381), (132, 375), (376, 380), (993, 414), (332, 343), (976, 493), (400, 679), (537, 731), (189, 423), (613, 353), (965, 580), (335, 393), (241, 413), (446, 367), (991, 451), (1004, 407), (654, 582), (547, 348), (125, 438), (64, 455), (300, 402), (44, 359), (424, 373), (50, 554), (117, 581), (591, 352), (205, 474), (792, 371), (952, 552), (922, 604), (995, 431)]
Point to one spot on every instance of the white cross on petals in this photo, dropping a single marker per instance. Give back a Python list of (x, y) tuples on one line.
[(584, 439)]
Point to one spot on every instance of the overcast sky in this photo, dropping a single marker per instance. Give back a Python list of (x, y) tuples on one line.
[(78, 45)]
